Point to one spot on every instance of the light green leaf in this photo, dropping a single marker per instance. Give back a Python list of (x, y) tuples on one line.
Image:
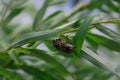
[(50, 60), (81, 34), (52, 15), (12, 14), (10, 75), (40, 14), (96, 60)]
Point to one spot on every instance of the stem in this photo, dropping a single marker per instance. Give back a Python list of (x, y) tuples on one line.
[(105, 21), (5, 12), (93, 25)]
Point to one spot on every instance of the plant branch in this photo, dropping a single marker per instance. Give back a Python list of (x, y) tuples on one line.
[(93, 25), (3, 51)]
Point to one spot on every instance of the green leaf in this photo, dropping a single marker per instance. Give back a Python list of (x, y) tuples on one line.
[(50, 60), (81, 34), (14, 55), (41, 35), (101, 40), (112, 34), (12, 14), (96, 60), (57, 2), (4, 58), (52, 15), (37, 73), (40, 14), (10, 75), (48, 21), (18, 4), (36, 36), (50, 46)]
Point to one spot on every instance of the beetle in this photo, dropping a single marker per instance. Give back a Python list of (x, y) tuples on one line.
[(61, 45)]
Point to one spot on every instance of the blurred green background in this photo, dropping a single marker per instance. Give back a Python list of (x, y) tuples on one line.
[(27, 28)]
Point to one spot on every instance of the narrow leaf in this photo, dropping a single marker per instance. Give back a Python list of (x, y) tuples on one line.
[(12, 14), (40, 14), (115, 36), (52, 15), (41, 35), (101, 40), (50, 60), (36, 36), (96, 60), (81, 34)]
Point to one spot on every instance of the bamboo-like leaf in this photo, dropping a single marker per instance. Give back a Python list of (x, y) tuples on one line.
[(10, 75), (12, 14), (96, 60), (47, 22), (41, 35), (115, 36), (50, 60), (81, 34), (101, 40), (52, 15), (57, 2), (40, 14), (36, 36)]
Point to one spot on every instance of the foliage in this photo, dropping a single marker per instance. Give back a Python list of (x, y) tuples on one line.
[(23, 58)]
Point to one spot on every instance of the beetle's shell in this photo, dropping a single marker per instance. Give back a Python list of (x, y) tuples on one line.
[(62, 46)]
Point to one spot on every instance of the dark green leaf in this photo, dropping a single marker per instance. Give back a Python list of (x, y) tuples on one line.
[(50, 60), (10, 75), (81, 34), (37, 73), (4, 58)]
